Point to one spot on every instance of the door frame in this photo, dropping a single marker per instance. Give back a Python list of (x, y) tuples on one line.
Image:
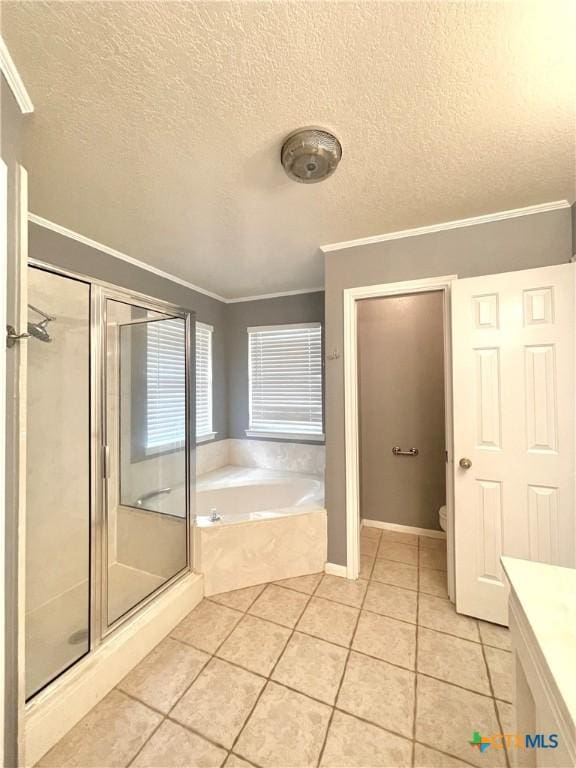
[(351, 409)]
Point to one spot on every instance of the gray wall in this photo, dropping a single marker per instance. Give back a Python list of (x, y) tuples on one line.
[(401, 402), (301, 308), (573, 229), (11, 132), (48, 246), (502, 246)]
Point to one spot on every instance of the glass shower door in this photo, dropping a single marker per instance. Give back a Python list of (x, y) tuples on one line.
[(57, 612), (146, 417)]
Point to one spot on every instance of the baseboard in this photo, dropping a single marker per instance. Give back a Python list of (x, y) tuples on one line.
[(434, 534), (333, 569), (55, 711)]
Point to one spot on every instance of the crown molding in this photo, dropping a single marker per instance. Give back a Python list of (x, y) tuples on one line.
[(41, 222), (8, 69), (457, 224), (59, 229), (274, 295)]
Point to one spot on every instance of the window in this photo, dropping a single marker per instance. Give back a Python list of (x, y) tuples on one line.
[(285, 375), (204, 382), (165, 385)]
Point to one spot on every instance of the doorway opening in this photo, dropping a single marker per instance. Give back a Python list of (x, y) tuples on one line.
[(399, 459), (401, 411)]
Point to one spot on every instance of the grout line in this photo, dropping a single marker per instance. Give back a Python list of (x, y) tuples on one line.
[(490, 683), (179, 698), (162, 720), (344, 670), (447, 754), (269, 677), (243, 613), (415, 710)]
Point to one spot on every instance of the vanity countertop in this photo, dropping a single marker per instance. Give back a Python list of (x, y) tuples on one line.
[(547, 596)]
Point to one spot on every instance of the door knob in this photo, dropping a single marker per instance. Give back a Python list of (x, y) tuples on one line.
[(465, 463)]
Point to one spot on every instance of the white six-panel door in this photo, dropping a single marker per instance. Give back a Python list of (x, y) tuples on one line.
[(513, 378)]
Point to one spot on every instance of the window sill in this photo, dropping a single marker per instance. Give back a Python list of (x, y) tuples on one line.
[(205, 438), (299, 436)]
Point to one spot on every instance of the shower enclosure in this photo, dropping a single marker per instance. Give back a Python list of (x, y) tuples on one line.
[(108, 499)]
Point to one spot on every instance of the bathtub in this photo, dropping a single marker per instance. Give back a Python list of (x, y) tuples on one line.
[(271, 526)]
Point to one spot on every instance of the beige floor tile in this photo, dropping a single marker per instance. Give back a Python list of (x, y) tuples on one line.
[(433, 582), (163, 676), (174, 747), (237, 762), (368, 532), (312, 666), (424, 757), (342, 590), (400, 553), (305, 584), (432, 542), (397, 574), (329, 621), (286, 730), (284, 606), (438, 613), (218, 703), (386, 638), (391, 601), (255, 644), (353, 743), (366, 563), (240, 599), (500, 665), (447, 716), (507, 714), (432, 558), (368, 546), (110, 735), (400, 538), (378, 692), (207, 626), (452, 659), (495, 635)]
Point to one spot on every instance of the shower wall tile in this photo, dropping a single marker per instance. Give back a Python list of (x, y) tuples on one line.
[(287, 457), (58, 443)]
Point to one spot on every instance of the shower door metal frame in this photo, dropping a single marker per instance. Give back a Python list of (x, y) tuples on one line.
[(100, 292), (102, 295)]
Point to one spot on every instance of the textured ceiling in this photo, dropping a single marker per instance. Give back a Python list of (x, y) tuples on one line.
[(158, 125)]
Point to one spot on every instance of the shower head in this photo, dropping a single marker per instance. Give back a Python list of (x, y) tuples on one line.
[(39, 330)]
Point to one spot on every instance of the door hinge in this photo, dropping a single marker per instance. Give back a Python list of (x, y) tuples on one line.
[(106, 461)]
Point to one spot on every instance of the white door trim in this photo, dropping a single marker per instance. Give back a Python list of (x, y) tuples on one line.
[(3, 283), (351, 297)]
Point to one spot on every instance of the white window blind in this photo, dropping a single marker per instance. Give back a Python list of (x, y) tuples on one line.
[(165, 384), (286, 380), (203, 381)]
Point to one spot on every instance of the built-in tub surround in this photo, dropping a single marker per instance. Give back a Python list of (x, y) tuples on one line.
[(264, 454), (272, 526)]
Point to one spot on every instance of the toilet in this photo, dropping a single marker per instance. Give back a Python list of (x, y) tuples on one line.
[(442, 517)]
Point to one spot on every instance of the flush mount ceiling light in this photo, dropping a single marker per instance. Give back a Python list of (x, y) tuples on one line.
[(310, 155)]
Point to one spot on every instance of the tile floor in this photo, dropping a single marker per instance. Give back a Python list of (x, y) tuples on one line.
[(313, 671)]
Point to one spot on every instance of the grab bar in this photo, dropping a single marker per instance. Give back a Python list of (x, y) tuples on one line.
[(151, 495), (397, 451)]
